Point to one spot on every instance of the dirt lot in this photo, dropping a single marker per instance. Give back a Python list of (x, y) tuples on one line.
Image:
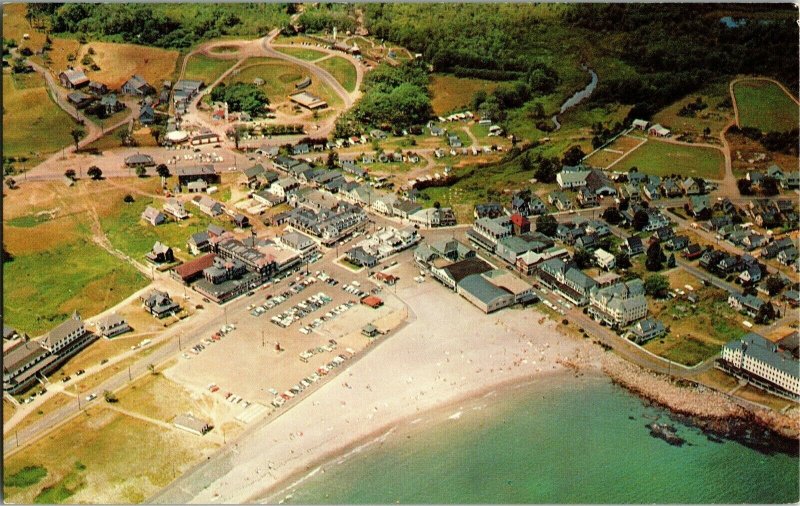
[(118, 62)]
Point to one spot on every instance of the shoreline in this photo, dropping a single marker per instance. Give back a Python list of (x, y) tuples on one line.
[(707, 409), (290, 482)]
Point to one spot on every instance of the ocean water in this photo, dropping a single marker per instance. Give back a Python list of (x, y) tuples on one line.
[(562, 440)]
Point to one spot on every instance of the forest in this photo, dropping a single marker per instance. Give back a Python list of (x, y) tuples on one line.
[(674, 49)]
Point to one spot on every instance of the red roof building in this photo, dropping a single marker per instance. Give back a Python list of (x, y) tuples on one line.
[(521, 224), (189, 271), (372, 301)]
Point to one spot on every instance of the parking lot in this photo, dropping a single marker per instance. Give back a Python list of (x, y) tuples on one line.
[(291, 335)]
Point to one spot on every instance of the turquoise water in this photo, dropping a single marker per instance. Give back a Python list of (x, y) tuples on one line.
[(566, 441)]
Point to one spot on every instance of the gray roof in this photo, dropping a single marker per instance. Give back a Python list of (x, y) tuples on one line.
[(22, 354), (62, 331), (480, 288), (579, 278), (758, 347)]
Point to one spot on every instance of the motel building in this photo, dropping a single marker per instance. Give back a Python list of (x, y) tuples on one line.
[(763, 364)]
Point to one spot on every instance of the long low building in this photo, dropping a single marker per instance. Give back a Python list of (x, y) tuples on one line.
[(763, 363), (308, 100)]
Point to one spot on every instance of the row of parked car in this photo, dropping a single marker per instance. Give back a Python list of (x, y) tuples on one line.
[(197, 348), (333, 313), (354, 288), (300, 310), (280, 399), (230, 397)]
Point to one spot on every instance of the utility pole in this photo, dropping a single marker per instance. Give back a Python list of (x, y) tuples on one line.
[(16, 435), (225, 309), (263, 343), (129, 373)]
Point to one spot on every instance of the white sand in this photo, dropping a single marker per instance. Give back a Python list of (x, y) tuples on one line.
[(449, 350)]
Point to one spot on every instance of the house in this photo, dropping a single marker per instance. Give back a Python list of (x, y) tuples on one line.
[(631, 192), (600, 184), (73, 78), (112, 325), (567, 280), (153, 216), (405, 208), (640, 124), (147, 114), (97, 89), (283, 186), (198, 186), (191, 424), (79, 99), (486, 232), (111, 104), (250, 176), (791, 180), (750, 275), (632, 246), (454, 141), (651, 192), (198, 243), (358, 256), (159, 303), (205, 137), (520, 224), (161, 253), (300, 149), (586, 197), (308, 100), (787, 256), (645, 330), (488, 210), (351, 168), (208, 205), (658, 131), (197, 172), (677, 242), (753, 240), (433, 217), (604, 259), (241, 220), (139, 160), (369, 330), (560, 200), (435, 130), (174, 207), (670, 188), (693, 251), (136, 85), (588, 242), (747, 304), (690, 186), (572, 179), (699, 207)]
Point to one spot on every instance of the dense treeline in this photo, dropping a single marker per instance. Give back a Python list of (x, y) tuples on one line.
[(326, 17), (245, 97), (163, 25), (672, 49), (394, 98)]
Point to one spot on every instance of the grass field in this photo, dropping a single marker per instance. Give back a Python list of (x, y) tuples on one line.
[(203, 68), (663, 158), (134, 237), (279, 80), (29, 112), (108, 141), (450, 93), (711, 117), (697, 331), (342, 70), (103, 456), (15, 25), (763, 105), (613, 152), (157, 397), (42, 289), (53, 403), (302, 52)]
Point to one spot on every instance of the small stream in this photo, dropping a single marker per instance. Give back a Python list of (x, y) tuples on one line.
[(578, 97)]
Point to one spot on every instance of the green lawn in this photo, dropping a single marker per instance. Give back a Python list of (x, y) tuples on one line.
[(763, 105), (128, 233), (662, 159), (33, 125), (279, 79), (206, 69), (42, 289), (302, 53), (342, 70)]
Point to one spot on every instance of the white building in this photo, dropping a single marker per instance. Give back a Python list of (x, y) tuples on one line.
[(620, 304), (604, 259), (763, 364)]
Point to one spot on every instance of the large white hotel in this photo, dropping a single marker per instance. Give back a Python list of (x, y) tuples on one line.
[(763, 363)]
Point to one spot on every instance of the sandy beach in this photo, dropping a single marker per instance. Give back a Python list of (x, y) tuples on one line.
[(413, 370)]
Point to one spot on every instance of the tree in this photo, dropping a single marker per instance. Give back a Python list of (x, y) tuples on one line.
[(152, 369), (671, 261), (110, 397), (331, 161), (7, 256), (612, 215), (94, 172), (774, 285), (237, 135), (655, 257), (437, 205), (745, 186), (157, 132), (583, 258), (11, 183), (77, 134), (546, 224), (656, 285), (766, 313), (573, 156), (141, 171), (123, 136), (706, 132), (162, 170), (70, 173), (640, 220), (128, 199), (623, 261)]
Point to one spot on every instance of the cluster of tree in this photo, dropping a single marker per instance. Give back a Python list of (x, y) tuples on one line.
[(175, 25), (241, 97), (326, 17), (679, 48), (656, 285), (656, 258), (282, 130), (507, 96), (783, 142), (394, 98), (691, 109), (767, 187), (602, 134)]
